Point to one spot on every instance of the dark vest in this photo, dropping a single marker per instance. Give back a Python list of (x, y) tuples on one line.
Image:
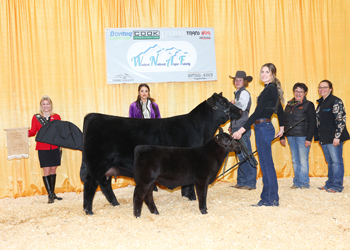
[(293, 114), (236, 124), (325, 121)]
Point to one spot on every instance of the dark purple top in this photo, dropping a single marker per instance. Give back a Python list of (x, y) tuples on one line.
[(135, 112)]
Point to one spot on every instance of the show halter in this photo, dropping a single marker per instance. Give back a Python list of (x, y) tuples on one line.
[(225, 147), (214, 107)]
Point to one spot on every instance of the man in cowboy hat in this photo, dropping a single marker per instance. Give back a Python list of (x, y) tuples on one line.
[(246, 175)]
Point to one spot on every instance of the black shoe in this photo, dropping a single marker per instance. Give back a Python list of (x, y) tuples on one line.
[(261, 203), (237, 186)]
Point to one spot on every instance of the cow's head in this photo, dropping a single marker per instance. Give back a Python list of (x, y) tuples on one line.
[(226, 141), (219, 102)]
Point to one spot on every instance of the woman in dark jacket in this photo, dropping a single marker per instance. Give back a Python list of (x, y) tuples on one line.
[(331, 133), (268, 102), (300, 137)]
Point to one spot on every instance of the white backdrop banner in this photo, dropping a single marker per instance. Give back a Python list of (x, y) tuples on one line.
[(142, 55)]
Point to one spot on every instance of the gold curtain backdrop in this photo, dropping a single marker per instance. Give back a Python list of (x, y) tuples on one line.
[(57, 48)]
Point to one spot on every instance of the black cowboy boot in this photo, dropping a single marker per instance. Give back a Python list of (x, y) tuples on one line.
[(48, 186), (53, 184)]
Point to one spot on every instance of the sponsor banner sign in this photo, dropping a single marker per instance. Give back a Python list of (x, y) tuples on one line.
[(142, 55)]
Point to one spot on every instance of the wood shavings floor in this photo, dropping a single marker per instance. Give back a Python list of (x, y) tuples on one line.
[(305, 219)]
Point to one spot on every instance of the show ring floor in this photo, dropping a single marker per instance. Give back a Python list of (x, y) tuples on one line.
[(305, 219)]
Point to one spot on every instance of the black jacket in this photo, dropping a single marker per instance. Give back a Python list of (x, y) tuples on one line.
[(293, 114), (330, 120)]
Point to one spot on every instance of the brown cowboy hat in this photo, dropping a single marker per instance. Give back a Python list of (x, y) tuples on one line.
[(242, 74)]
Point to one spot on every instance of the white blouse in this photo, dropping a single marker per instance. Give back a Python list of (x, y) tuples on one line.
[(146, 109)]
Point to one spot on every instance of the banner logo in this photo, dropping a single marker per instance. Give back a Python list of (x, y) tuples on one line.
[(193, 33), (199, 76), (122, 78), (146, 34), (205, 35), (162, 56), (114, 35)]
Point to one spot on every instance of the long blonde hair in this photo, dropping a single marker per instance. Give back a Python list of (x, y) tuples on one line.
[(47, 98), (277, 82)]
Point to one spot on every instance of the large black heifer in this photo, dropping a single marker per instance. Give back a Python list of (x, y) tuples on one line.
[(109, 142), (173, 167)]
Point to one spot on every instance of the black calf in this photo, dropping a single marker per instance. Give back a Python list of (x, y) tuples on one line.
[(174, 167)]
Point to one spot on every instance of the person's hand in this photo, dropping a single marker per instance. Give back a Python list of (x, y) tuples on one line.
[(336, 142), (229, 130), (233, 101), (238, 134), (280, 133), (307, 144), (283, 142)]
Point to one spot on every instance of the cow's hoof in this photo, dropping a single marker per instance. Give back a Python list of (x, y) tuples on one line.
[(137, 213), (115, 203), (204, 211), (192, 198), (89, 212)]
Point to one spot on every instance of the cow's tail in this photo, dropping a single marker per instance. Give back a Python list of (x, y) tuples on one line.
[(83, 168)]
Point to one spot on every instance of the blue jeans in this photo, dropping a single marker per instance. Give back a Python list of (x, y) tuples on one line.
[(334, 159), (264, 135), (300, 158), (246, 174)]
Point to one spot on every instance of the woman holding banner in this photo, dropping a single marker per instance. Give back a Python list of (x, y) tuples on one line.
[(49, 155)]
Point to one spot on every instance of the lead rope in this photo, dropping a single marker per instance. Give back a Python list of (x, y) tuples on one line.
[(241, 162)]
